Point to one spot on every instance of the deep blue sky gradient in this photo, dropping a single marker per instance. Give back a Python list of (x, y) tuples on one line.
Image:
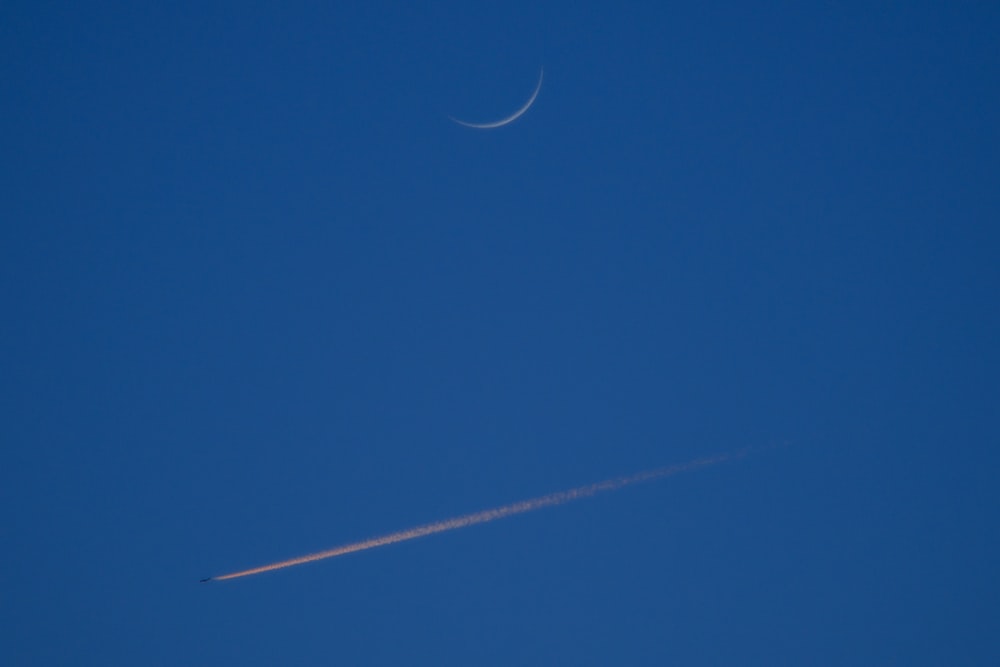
[(260, 297)]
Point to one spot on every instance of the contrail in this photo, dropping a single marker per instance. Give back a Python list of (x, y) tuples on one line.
[(486, 516)]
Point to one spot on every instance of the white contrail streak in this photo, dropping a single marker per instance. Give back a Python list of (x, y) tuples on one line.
[(485, 516)]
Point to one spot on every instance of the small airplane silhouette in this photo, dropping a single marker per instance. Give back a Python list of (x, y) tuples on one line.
[(205, 579)]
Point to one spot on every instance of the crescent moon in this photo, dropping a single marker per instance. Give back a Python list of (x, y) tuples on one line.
[(511, 118)]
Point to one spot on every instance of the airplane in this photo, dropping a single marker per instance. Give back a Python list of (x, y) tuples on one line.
[(205, 579)]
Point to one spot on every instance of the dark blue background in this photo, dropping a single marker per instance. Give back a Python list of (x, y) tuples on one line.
[(260, 298)]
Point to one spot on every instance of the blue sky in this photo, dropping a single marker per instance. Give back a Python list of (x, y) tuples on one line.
[(261, 298)]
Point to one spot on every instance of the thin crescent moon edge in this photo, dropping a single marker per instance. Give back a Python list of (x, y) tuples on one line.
[(509, 119)]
